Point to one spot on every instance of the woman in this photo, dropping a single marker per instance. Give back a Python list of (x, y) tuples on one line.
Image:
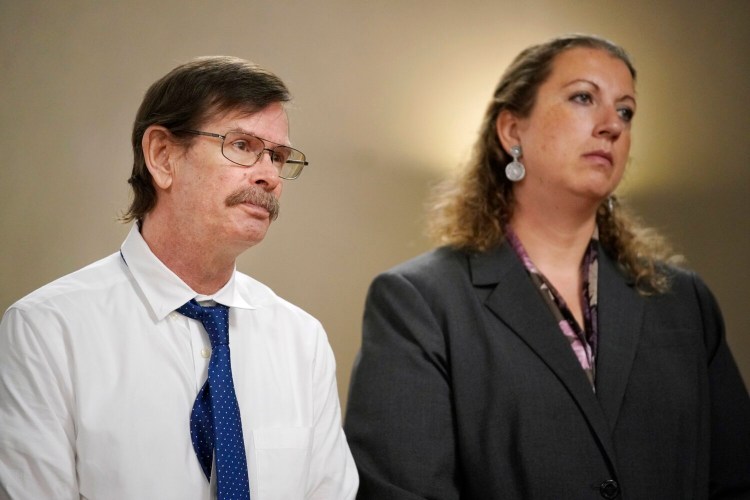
[(548, 349)]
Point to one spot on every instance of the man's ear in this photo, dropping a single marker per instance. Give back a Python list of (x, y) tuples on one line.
[(158, 151), (506, 127)]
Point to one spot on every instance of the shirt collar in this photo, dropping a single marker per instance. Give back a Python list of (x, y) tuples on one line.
[(163, 289)]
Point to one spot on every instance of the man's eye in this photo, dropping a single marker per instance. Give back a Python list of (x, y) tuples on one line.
[(241, 145), (280, 155)]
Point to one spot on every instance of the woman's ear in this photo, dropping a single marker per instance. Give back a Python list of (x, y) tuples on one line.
[(158, 150), (506, 126)]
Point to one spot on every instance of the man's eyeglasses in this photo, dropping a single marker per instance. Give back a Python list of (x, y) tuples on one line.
[(246, 150)]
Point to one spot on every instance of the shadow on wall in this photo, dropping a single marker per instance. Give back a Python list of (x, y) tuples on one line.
[(348, 218)]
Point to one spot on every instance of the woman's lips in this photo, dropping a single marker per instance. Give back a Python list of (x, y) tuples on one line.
[(604, 156)]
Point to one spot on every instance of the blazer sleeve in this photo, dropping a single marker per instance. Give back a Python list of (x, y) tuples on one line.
[(399, 419), (730, 407)]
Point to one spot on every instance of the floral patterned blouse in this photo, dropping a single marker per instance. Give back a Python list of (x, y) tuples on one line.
[(582, 339)]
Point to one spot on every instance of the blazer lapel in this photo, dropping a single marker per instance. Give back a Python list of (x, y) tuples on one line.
[(517, 303), (620, 309)]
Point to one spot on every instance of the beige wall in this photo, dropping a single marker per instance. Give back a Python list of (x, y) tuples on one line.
[(388, 97)]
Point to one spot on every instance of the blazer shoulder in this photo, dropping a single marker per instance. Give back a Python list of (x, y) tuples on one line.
[(687, 286), (433, 267)]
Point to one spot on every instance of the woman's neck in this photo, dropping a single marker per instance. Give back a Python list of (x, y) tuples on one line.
[(554, 239)]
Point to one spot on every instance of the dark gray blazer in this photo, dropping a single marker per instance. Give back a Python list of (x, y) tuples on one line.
[(466, 388)]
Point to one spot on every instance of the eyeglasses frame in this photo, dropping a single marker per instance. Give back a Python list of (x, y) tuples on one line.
[(257, 159)]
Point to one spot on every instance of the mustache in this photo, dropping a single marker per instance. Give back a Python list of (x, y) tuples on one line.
[(257, 197)]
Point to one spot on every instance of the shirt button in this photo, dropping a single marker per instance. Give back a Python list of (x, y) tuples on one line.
[(206, 352)]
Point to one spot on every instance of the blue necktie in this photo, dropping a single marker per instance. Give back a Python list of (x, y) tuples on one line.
[(215, 420)]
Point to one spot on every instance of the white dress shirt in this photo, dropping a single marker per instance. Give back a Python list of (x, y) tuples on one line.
[(98, 375)]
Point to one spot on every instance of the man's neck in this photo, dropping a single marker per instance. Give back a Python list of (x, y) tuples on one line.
[(197, 263)]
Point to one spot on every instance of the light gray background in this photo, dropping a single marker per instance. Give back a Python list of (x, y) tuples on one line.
[(389, 95)]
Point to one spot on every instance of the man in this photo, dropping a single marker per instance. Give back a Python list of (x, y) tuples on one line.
[(115, 381)]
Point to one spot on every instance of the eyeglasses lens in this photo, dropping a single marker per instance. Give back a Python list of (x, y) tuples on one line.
[(241, 148), (246, 150)]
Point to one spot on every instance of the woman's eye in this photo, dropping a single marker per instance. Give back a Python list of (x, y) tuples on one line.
[(626, 114), (582, 97)]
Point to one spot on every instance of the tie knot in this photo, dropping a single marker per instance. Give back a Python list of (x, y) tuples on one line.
[(215, 320)]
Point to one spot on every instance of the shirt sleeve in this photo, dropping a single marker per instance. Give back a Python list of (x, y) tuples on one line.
[(333, 475), (730, 407), (37, 432)]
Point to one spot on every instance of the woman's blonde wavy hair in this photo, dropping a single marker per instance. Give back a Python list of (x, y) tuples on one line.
[(470, 210)]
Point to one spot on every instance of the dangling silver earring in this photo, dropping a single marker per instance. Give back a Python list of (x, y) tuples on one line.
[(611, 200), (515, 171)]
